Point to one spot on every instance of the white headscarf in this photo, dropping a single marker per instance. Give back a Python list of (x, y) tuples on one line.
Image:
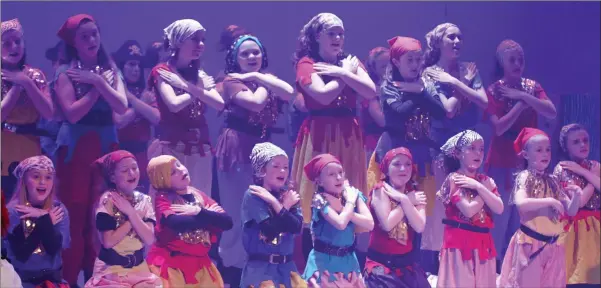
[(181, 30), (263, 153), (460, 140)]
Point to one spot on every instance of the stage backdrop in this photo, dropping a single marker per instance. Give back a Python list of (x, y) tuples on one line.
[(561, 39)]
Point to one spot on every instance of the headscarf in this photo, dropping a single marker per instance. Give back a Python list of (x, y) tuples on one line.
[(32, 163), (105, 166), (262, 153), (327, 21), (67, 31), (434, 37), (177, 32), (314, 167), (508, 45), (401, 45), (520, 142), (460, 140), (159, 171), (563, 134), (385, 163), (231, 59), (13, 24)]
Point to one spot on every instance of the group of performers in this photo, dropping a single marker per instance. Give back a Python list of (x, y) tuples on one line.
[(388, 173)]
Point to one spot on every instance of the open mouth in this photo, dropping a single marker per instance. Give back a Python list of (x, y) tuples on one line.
[(252, 64), (185, 176), (281, 178), (545, 161), (584, 151), (41, 191), (131, 181), (13, 54), (477, 160), (336, 45)]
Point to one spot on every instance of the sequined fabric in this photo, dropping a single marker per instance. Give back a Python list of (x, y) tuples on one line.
[(537, 185), (526, 85), (567, 177), (38, 78), (399, 232), (81, 89), (198, 236)]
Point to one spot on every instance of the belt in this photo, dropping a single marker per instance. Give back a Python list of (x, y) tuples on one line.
[(271, 258), (465, 226), (111, 257), (242, 125), (392, 261), (335, 112), (329, 249), (26, 129), (39, 276), (539, 237)]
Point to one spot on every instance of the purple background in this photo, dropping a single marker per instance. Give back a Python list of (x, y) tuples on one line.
[(560, 39)]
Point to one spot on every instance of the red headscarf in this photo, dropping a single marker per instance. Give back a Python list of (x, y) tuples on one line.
[(67, 31), (105, 165), (385, 163), (524, 136), (314, 167), (401, 45)]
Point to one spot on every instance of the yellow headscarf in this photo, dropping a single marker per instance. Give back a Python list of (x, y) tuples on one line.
[(159, 171)]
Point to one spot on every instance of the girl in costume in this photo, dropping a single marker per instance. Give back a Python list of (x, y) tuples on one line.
[(38, 228), (10, 278), (331, 83), (514, 102), (467, 256), (88, 90), (136, 124), (183, 90), (253, 104), (583, 230), (337, 210), (124, 220), (460, 90), (271, 218), (25, 98), (534, 257), (400, 215), (188, 223), (372, 118)]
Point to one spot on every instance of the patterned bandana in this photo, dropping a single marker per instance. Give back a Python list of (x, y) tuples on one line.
[(460, 140), (328, 20), (181, 30), (13, 24), (36, 162), (262, 153)]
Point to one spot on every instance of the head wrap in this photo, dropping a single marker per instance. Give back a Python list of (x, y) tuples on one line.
[(401, 45), (130, 50), (508, 45), (314, 167), (262, 153), (36, 162), (563, 134), (232, 52), (67, 31), (434, 37), (13, 24), (177, 32), (105, 165), (327, 21), (159, 171), (460, 140), (385, 163), (520, 142)]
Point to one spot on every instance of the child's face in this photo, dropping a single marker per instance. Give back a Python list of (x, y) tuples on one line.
[(332, 178), (180, 179), (577, 144), (39, 184), (538, 152), (471, 156), (276, 172), (399, 170), (126, 175)]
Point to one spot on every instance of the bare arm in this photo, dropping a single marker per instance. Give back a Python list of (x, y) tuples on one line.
[(143, 229), (363, 219), (360, 82), (340, 221), (416, 215), (252, 101), (469, 209), (387, 218), (324, 94), (210, 97), (41, 100), (279, 87), (477, 96), (587, 193), (124, 119), (115, 97), (74, 109), (375, 111), (491, 200), (174, 103), (113, 237), (503, 124), (542, 106), (10, 101), (150, 113), (526, 204)]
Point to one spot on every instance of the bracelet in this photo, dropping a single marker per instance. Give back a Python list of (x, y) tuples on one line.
[(352, 203)]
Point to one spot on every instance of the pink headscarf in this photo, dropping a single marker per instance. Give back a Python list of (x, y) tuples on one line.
[(508, 45), (401, 45)]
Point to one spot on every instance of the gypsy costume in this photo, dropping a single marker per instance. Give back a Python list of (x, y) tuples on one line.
[(534, 257), (78, 145), (123, 265), (180, 255), (20, 135), (333, 249), (269, 237), (34, 245), (467, 255), (501, 162), (242, 130), (183, 134), (10, 278), (392, 257)]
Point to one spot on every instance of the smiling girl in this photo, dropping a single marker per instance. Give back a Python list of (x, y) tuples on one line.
[(253, 104), (188, 223), (583, 230), (88, 91), (39, 225), (467, 256), (534, 257), (25, 98), (124, 221), (183, 91)]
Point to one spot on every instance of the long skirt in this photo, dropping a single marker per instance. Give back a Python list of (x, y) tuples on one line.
[(581, 244), (456, 272)]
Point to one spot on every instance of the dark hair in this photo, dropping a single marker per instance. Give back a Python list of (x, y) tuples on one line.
[(140, 83), (228, 35), (71, 53), (450, 164), (498, 72), (233, 66)]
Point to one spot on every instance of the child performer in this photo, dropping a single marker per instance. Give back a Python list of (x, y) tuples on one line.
[(271, 218), (124, 220), (583, 230), (39, 225), (10, 278), (337, 209), (400, 214), (188, 222), (467, 256), (534, 258)]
